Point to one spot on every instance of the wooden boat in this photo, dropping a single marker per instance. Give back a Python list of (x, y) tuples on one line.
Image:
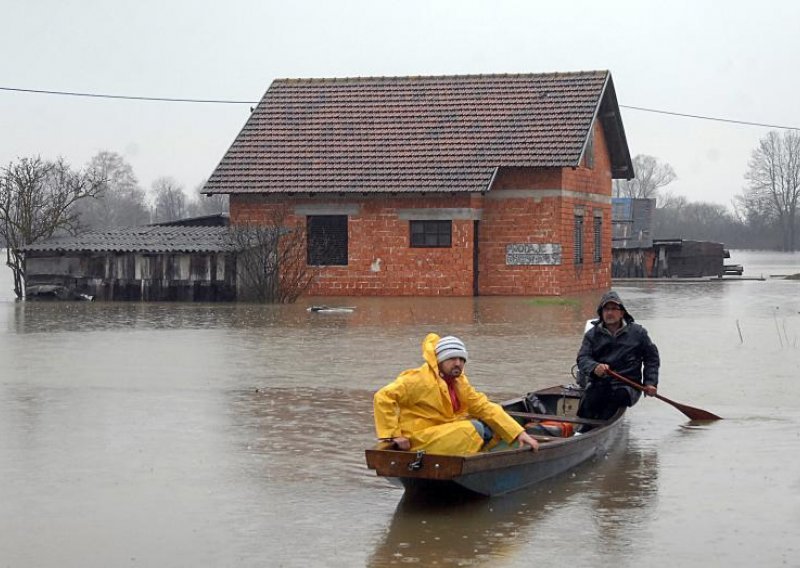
[(504, 469)]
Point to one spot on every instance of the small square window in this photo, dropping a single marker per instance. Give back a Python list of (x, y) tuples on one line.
[(431, 233)]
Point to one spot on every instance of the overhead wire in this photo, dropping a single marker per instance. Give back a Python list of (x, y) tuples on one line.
[(127, 97), (714, 118), (242, 102)]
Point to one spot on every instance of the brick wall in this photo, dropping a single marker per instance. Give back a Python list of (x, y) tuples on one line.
[(596, 182), (531, 206), (538, 206), (380, 260)]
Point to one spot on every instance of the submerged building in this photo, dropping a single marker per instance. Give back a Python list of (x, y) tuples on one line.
[(636, 254), (184, 261), (449, 185)]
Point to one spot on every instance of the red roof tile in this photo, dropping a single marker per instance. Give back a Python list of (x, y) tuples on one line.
[(411, 134)]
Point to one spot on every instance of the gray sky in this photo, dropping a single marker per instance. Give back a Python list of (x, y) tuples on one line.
[(731, 59)]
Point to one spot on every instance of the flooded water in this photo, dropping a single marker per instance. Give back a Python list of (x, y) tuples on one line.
[(232, 435)]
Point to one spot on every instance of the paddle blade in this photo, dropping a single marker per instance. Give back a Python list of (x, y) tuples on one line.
[(690, 411)]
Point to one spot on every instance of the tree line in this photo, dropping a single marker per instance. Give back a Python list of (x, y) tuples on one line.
[(763, 216), (41, 198), (122, 202)]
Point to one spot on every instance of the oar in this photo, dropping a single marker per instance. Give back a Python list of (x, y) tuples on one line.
[(690, 411)]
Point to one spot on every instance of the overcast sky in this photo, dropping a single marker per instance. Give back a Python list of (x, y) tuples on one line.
[(728, 59)]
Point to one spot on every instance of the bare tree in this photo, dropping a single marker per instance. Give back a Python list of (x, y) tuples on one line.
[(271, 263), (672, 201), (200, 205), (169, 200), (773, 190), (651, 175), (37, 200), (758, 230), (121, 203)]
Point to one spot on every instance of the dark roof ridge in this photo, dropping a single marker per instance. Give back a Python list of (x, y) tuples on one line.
[(456, 76)]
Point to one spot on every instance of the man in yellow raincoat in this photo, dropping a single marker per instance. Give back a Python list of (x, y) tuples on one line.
[(434, 408)]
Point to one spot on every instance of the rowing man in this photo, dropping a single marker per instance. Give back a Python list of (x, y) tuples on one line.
[(615, 342)]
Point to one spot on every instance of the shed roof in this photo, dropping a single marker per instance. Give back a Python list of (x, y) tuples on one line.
[(149, 239), (417, 134)]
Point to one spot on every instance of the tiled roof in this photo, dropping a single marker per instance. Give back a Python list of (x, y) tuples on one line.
[(411, 134), (149, 239)]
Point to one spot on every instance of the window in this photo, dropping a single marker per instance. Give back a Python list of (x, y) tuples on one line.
[(431, 233), (578, 239), (598, 239), (326, 240), (198, 267)]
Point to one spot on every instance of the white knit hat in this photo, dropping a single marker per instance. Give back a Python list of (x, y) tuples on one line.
[(449, 347)]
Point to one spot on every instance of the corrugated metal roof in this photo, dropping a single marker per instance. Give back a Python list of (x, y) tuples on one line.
[(152, 239), (414, 134)]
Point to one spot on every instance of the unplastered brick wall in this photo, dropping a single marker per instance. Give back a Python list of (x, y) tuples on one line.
[(537, 206), (380, 259), (591, 188), (525, 206), (517, 217)]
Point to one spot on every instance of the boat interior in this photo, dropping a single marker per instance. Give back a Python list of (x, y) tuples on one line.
[(547, 415)]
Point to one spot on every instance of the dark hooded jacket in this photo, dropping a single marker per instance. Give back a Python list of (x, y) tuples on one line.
[(629, 352)]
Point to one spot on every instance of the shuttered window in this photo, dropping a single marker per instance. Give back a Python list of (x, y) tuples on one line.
[(326, 240), (578, 239), (598, 239)]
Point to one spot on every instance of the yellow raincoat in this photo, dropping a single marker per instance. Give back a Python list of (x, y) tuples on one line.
[(417, 405)]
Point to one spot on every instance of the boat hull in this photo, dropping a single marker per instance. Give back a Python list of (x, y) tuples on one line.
[(499, 472)]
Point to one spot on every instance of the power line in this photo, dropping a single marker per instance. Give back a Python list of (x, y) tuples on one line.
[(236, 102), (717, 119), (127, 97)]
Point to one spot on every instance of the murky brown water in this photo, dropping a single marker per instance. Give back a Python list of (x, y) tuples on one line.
[(232, 435)]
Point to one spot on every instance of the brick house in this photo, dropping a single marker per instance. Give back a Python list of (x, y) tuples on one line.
[(449, 185)]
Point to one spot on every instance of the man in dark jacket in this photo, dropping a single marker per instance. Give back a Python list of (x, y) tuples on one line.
[(615, 342)]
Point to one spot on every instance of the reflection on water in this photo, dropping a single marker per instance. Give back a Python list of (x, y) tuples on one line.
[(553, 315), (601, 503), (217, 435), (305, 426)]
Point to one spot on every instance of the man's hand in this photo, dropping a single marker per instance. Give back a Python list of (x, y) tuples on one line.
[(402, 443), (525, 438), (650, 390), (601, 370)]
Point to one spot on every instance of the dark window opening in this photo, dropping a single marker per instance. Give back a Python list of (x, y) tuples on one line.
[(431, 233), (198, 267), (578, 239), (598, 239), (326, 240)]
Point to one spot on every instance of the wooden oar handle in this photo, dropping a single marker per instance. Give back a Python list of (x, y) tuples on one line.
[(625, 380)]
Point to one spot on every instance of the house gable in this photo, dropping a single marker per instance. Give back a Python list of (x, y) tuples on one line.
[(506, 179), (416, 134)]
